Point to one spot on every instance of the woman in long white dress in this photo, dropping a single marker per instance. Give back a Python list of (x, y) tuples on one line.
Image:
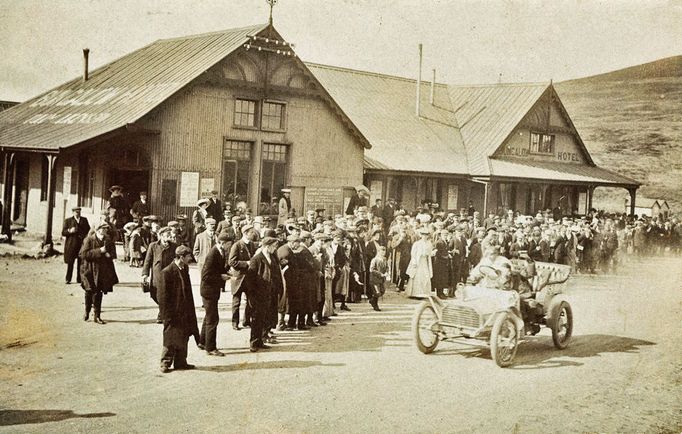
[(420, 268)]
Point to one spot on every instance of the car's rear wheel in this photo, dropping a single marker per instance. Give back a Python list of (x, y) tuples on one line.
[(423, 327), (504, 340), (562, 325)]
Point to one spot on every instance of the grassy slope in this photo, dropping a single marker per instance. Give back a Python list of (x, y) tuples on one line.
[(632, 126)]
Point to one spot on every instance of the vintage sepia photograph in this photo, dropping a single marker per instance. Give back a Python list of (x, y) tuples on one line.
[(341, 216)]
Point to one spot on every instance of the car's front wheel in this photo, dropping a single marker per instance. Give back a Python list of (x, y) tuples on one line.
[(422, 326), (504, 340), (562, 325)]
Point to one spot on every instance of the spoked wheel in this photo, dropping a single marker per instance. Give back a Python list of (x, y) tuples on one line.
[(562, 325), (504, 340), (422, 326)]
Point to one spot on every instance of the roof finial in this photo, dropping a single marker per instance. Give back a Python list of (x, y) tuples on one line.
[(272, 4)]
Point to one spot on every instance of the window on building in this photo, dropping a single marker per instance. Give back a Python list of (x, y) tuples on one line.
[(273, 173), (169, 191), (236, 161), (245, 112), (273, 116), (86, 181), (541, 143)]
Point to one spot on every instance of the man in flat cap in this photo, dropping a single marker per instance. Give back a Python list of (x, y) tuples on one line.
[(284, 206), (118, 209), (213, 277), (204, 242), (159, 255), (75, 230), (240, 254), (265, 287), (98, 274), (182, 233), (177, 311)]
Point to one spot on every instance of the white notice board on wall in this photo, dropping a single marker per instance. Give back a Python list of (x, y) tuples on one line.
[(207, 186), (189, 188)]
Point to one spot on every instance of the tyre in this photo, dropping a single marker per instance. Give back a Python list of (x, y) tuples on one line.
[(504, 340), (422, 326), (562, 325)]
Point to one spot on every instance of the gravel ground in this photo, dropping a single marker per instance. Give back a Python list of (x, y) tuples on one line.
[(362, 373)]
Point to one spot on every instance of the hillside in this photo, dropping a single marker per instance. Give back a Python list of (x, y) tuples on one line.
[(632, 123)]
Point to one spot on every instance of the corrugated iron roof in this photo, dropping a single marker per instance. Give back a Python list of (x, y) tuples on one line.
[(383, 108), (118, 93), (487, 114), (557, 171)]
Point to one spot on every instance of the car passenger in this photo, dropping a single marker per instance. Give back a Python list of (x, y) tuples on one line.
[(494, 270)]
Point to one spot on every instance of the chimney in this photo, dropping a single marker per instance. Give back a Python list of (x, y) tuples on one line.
[(433, 86), (86, 52), (419, 81)]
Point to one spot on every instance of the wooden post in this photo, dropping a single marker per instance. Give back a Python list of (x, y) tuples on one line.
[(8, 163), (47, 241), (633, 194), (590, 194)]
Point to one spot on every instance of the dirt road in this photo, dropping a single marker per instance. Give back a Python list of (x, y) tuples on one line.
[(362, 373)]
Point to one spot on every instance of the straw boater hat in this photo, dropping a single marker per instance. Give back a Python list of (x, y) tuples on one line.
[(130, 226), (286, 190), (115, 188), (202, 201)]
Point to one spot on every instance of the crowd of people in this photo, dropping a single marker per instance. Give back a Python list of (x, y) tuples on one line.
[(299, 272)]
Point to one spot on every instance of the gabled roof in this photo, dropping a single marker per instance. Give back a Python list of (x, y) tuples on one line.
[(524, 168), (487, 114), (645, 202), (118, 93), (383, 108)]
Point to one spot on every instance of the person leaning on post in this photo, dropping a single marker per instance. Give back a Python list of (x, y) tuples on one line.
[(75, 230)]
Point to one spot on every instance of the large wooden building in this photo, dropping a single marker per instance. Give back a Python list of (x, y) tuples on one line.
[(500, 146), (236, 111), (232, 111)]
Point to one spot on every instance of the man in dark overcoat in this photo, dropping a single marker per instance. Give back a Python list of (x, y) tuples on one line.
[(215, 206), (177, 311), (98, 275), (240, 254), (160, 254), (75, 230), (213, 278), (265, 282), (296, 300)]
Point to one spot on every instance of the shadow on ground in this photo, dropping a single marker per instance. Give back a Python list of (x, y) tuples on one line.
[(276, 364), (539, 352), (360, 330), (22, 417)]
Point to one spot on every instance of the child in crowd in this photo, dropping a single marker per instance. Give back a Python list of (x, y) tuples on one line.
[(135, 247), (378, 274)]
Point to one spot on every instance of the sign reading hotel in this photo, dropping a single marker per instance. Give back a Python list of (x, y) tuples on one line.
[(189, 188), (329, 198)]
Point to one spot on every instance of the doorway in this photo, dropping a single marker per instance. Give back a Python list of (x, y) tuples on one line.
[(20, 200), (132, 181)]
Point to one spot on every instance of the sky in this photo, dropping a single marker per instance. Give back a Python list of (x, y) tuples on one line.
[(467, 42)]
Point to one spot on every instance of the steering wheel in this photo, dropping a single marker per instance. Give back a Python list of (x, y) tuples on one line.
[(489, 272)]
